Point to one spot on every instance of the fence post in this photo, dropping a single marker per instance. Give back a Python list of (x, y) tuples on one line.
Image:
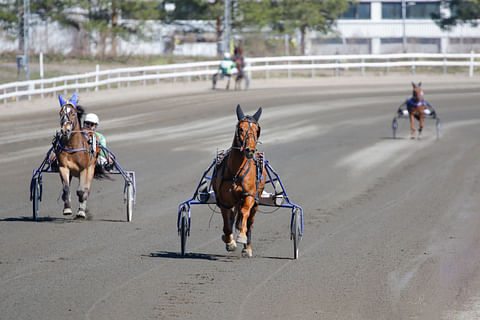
[(144, 80), (118, 81), (470, 73), (206, 74), (267, 72), (313, 69), (289, 69), (97, 71), (4, 93), (108, 80), (413, 65), (336, 68), (444, 65), (16, 93), (363, 66)]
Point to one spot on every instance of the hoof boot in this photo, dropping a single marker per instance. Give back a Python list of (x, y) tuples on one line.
[(80, 215), (242, 239)]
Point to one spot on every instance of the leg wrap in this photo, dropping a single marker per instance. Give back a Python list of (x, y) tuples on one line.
[(82, 195)]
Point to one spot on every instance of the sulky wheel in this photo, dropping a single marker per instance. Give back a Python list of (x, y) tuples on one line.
[(184, 229), (130, 200), (437, 127), (394, 127), (296, 231), (35, 198)]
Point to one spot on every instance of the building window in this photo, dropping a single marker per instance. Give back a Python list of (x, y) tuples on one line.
[(391, 10), (415, 10), (357, 11), (422, 10)]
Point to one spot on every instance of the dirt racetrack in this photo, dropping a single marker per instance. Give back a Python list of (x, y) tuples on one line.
[(391, 226)]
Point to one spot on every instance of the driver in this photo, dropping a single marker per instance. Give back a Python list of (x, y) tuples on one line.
[(91, 122), (226, 69)]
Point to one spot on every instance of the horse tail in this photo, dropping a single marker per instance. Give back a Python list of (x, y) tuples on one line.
[(238, 219)]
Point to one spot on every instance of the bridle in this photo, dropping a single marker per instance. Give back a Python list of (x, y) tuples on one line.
[(65, 115), (249, 134)]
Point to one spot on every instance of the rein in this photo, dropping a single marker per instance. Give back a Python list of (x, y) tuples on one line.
[(416, 104)]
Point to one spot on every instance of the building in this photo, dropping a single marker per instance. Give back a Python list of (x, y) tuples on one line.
[(393, 26)]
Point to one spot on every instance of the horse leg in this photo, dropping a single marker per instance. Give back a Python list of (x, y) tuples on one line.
[(247, 250), (86, 177), (214, 81), (244, 214), (420, 124), (227, 237), (67, 203), (412, 126)]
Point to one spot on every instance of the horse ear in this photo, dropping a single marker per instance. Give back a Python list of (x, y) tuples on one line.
[(413, 84), (74, 99), (240, 114), (420, 84), (61, 100), (257, 114)]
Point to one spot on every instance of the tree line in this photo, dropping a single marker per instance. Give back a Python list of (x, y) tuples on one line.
[(282, 16)]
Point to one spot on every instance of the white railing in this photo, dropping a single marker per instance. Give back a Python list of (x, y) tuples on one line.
[(125, 76)]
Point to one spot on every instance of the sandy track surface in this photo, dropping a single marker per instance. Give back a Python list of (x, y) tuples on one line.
[(391, 226)]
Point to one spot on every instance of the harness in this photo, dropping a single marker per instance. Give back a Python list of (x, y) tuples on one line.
[(237, 179), (415, 104), (91, 139)]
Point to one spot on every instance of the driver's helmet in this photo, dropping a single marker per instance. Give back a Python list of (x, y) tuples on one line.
[(91, 117), (227, 55)]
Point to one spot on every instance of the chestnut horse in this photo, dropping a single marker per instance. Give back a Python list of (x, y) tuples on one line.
[(416, 109), (238, 181), (76, 152)]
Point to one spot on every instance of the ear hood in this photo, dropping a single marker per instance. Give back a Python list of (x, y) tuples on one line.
[(61, 100), (240, 114), (74, 99), (257, 114)]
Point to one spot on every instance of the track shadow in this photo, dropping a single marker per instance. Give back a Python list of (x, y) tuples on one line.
[(275, 258), (40, 219), (190, 255)]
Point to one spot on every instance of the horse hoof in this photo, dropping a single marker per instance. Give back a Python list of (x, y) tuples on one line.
[(67, 211), (247, 253), (242, 239), (81, 215), (230, 246)]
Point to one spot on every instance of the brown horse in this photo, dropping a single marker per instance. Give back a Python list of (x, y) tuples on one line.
[(238, 182), (416, 109), (240, 64), (76, 152)]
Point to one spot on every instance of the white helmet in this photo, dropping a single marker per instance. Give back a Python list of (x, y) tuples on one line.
[(91, 117), (226, 55)]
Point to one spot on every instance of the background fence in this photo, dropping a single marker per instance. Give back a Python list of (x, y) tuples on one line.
[(287, 66)]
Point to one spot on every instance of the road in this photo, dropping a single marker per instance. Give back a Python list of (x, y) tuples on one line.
[(391, 226)]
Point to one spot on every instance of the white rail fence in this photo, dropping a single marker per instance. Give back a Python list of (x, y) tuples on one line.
[(202, 70)]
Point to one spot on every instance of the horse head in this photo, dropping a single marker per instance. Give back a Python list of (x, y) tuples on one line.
[(247, 132), (68, 115), (417, 92)]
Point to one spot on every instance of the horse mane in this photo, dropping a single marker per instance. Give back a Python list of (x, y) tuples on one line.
[(80, 113)]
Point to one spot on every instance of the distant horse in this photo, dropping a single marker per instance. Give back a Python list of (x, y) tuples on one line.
[(416, 109), (240, 64), (238, 182), (76, 151)]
